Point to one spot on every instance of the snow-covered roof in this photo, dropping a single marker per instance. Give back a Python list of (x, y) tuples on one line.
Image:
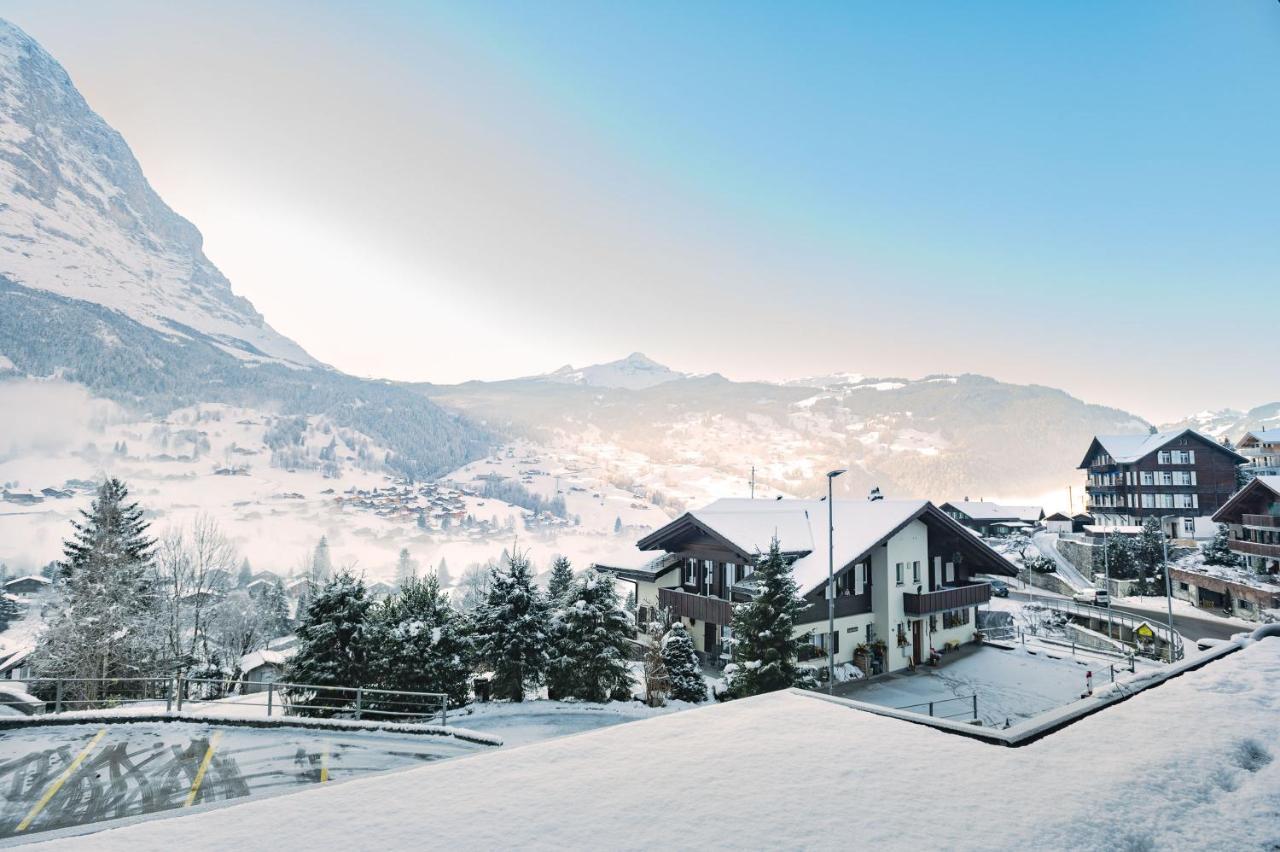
[(984, 510), (43, 580), (1228, 514), (256, 659), (1262, 436), (1184, 783), (1126, 449)]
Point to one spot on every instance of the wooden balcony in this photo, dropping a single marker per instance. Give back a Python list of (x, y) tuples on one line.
[(1253, 548), (945, 599), (1265, 521), (697, 607)]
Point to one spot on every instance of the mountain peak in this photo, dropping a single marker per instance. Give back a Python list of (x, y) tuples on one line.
[(81, 220), (634, 372)]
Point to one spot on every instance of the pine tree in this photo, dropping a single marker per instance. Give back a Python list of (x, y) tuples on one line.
[(333, 642), (561, 580), (511, 630), (406, 568), (104, 625), (765, 650), (683, 671), (420, 645), (589, 643), (443, 576), (1218, 551), (273, 608), (617, 525), (245, 577), (9, 612), (1150, 555), (321, 562)]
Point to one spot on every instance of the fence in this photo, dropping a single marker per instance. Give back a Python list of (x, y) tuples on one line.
[(971, 703), (1123, 619), (279, 698)]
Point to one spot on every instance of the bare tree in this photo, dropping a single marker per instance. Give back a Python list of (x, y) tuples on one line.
[(193, 569)]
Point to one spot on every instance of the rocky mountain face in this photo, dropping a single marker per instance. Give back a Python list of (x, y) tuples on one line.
[(943, 437), (79, 219), (101, 283)]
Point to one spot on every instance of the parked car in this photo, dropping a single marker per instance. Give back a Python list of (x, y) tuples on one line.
[(1093, 597), (999, 589)]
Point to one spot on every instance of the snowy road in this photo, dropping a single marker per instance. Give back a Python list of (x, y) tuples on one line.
[(1047, 544), (62, 776)]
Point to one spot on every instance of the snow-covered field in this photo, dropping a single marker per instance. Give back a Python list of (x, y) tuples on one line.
[(1189, 764)]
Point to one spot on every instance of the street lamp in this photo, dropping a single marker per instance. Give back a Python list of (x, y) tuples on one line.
[(831, 582), (1168, 589)]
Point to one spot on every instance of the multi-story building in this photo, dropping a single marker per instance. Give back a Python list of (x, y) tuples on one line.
[(1252, 517), (1262, 449), (1178, 477), (905, 581), (988, 518)]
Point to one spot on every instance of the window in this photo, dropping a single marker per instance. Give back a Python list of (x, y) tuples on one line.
[(690, 572), (955, 618), (1146, 478), (861, 578), (1183, 587), (1189, 526), (1244, 604), (900, 566), (915, 571), (1162, 457)]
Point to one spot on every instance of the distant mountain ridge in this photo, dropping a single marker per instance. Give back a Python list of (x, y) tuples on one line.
[(1229, 422), (634, 372)]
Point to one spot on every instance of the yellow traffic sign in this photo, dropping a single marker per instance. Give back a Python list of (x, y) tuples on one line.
[(1144, 630)]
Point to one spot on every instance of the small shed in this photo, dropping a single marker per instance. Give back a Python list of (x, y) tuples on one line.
[(261, 668), (1059, 522)]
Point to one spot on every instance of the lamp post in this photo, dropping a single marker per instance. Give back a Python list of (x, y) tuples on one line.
[(831, 581), (1168, 588)]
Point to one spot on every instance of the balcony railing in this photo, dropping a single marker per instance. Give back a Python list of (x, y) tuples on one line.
[(945, 599), (697, 607), (1268, 521), (1253, 548)]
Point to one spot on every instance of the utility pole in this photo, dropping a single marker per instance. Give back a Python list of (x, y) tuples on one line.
[(753, 482), (1168, 589), (1106, 566), (831, 583)]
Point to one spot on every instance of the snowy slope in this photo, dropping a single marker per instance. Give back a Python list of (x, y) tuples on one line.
[(79, 219), (634, 372)]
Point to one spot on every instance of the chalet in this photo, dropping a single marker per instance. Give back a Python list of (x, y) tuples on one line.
[(989, 519), (904, 574), (1252, 517), (25, 587), (1061, 522), (16, 665), (1174, 476), (1262, 449)]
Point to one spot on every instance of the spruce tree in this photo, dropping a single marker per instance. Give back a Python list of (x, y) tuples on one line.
[(333, 642), (589, 643), (561, 580), (321, 561), (406, 568), (1150, 555), (9, 612), (765, 650), (1218, 551), (104, 624), (420, 645), (511, 629), (683, 671), (273, 609), (245, 577), (443, 576)]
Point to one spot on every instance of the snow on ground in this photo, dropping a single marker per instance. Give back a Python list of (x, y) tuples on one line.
[(1010, 685), (1148, 773), (534, 721)]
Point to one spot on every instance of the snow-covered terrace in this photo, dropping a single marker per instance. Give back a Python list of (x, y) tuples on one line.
[(1188, 764)]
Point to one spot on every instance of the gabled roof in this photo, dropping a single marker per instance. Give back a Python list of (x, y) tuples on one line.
[(1127, 449), (249, 662), (42, 580), (1058, 516), (983, 510), (1258, 486), (748, 527), (1261, 436)]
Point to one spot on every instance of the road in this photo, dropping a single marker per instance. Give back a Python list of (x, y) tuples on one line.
[(1047, 544), (57, 777), (1191, 627)]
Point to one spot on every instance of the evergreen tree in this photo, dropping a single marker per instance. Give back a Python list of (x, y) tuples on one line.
[(273, 609), (9, 612), (1121, 560), (333, 642), (681, 661), (617, 525), (765, 650), (420, 645), (1150, 555), (561, 580), (1218, 551), (245, 577), (406, 568), (589, 643), (443, 576), (511, 630), (104, 625), (321, 562)]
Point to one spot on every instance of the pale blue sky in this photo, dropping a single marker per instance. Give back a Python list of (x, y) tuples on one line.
[(1078, 194)]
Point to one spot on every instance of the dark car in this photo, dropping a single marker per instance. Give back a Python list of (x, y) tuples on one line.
[(998, 589)]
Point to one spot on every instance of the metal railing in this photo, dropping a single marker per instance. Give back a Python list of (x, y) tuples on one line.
[(971, 702), (275, 699), (1124, 619)]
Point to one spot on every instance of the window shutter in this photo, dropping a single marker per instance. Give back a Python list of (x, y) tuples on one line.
[(859, 578), (1191, 456)]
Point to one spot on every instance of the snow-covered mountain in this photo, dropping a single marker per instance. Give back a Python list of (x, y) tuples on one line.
[(634, 372), (1229, 422), (79, 219)]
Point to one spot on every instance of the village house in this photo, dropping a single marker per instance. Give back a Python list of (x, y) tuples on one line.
[(25, 587), (1181, 478), (1262, 449), (905, 575), (1062, 523), (992, 519), (1252, 517)]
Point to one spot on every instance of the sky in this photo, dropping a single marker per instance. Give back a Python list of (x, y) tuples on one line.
[(1081, 195)]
